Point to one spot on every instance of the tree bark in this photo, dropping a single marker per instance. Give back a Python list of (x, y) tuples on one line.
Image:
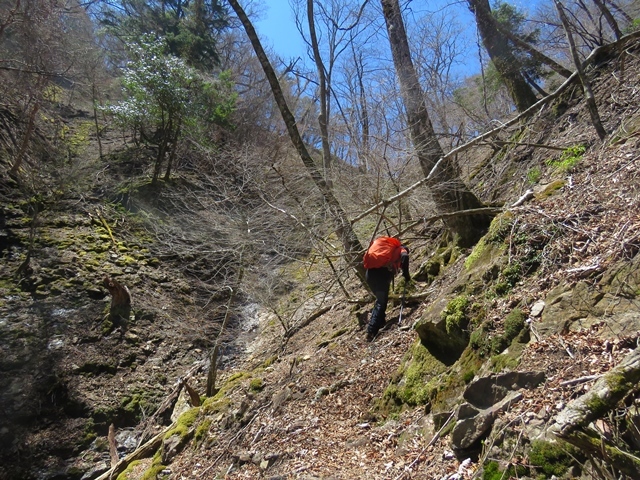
[(323, 118), (572, 424), (352, 245), (120, 308), (586, 85), (503, 59), (606, 13), (25, 141), (449, 191)]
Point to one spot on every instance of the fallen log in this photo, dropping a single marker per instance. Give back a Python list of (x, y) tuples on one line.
[(572, 424)]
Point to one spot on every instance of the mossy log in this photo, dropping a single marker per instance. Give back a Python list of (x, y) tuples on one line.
[(572, 423), (145, 451), (601, 398), (591, 443)]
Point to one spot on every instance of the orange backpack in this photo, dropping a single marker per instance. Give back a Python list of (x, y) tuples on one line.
[(382, 252)]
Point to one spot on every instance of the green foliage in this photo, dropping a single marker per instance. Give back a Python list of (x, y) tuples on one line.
[(569, 158), (551, 458), (533, 175), (455, 315), (515, 21), (190, 27), (634, 26), (491, 471), (166, 99)]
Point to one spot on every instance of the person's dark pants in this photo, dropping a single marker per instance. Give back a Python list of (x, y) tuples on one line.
[(379, 279)]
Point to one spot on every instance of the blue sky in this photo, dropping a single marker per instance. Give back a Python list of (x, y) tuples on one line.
[(278, 28)]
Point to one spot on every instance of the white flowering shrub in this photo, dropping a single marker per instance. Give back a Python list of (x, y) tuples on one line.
[(165, 98)]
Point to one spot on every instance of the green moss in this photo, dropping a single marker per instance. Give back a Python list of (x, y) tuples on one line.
[(256, 385), (551, 458), (491, 471), (129, 470), (514, 323), (504, 362), (153, 472), (184, 423), (135, 404), (215, 404), (568, 159), (413, 385), (269, 361), (201, 431), (455, 315), (468, 376), (107, 326), (339, 333), (550, 189)]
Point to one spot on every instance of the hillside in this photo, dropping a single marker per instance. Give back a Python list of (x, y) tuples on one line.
[(493, 345)]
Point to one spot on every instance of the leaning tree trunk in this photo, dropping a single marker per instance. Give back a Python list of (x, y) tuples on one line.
[(323, 118), (572, 424), (586, 84), (500, 53), (352, 245), (449, 191)]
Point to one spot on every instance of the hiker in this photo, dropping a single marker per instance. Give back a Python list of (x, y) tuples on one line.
[(384, 258)]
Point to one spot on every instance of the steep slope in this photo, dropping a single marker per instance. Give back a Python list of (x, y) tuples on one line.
[(494, 342), (551, 293)]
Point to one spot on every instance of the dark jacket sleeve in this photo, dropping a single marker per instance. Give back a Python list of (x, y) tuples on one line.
[(404, 264)]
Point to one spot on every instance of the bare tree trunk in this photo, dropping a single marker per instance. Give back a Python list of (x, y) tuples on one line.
[(95, 118), (586, 85), (606, 13), (120, 308), (352, 245), (323, 118), (364, 114), (213, 359), (503, 59), (172, 154), (449, 191), (25, 140)]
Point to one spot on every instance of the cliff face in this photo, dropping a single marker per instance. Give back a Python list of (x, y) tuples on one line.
[(494, 341)]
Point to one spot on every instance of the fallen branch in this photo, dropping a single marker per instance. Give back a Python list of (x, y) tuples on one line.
[(318, 313), (145, 451), (576, 381)]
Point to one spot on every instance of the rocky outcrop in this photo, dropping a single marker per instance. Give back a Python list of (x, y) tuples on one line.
[(486, 398)]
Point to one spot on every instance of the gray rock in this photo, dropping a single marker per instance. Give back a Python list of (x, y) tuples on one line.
[(468, 431), (487, 391), (96, 471), (537, 308), (466, 410)]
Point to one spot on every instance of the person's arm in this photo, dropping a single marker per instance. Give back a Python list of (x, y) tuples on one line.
[(404, 263)]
